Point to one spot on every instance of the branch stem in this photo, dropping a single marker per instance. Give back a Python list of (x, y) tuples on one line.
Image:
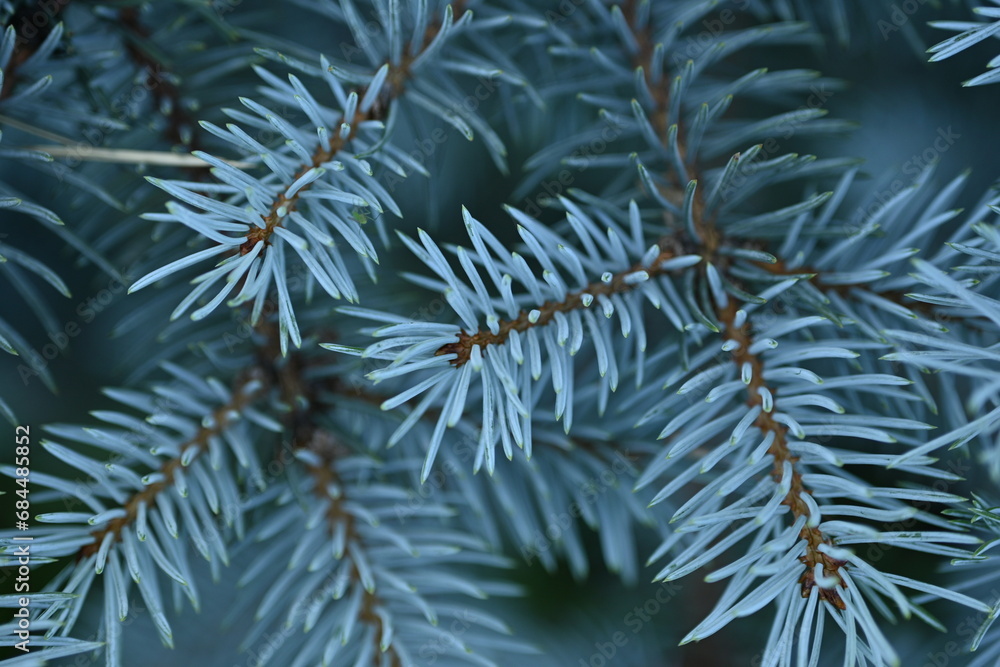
[(246, 392)]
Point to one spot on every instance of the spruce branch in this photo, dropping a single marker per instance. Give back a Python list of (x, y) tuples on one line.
[(900, 297), (310, 436), (618, 283), (247, 391), (395, 82), (254, 212), (136, 526), (368, 562), (706, 239), (760, 395), (672, 136), (323, 444)]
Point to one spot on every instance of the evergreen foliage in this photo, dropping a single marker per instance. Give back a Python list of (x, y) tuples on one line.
[(354, 390)]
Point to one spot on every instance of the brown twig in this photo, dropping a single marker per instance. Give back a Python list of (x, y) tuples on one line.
[(711, 236), (781, 453), (547, 311), (896, 296)]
